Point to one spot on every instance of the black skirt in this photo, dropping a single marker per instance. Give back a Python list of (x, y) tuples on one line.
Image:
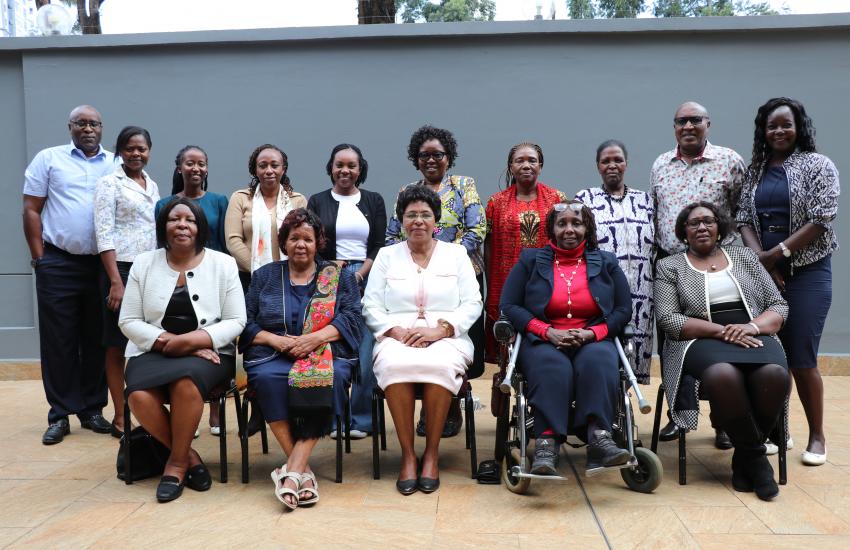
[(705, 352), (112, 337), (154, 370)]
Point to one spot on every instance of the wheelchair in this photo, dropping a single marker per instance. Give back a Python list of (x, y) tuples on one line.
[(515, 424)]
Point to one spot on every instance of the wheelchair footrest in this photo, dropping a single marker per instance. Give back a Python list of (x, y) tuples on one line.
[(593, 471), (516, 471)]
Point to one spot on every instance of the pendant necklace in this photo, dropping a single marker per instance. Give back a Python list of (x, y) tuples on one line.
[(569, 285)]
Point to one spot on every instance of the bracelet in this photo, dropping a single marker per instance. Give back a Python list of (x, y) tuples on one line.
[(755, 326)]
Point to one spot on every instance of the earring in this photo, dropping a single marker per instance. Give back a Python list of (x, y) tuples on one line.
[(685, 241)]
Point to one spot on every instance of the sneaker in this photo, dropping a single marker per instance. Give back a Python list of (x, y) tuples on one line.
[(545, 461), (353, 434), (603, 452)]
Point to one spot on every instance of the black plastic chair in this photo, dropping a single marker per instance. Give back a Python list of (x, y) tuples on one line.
[(683, 457), (219, 393), (343, 425), (379, 427)]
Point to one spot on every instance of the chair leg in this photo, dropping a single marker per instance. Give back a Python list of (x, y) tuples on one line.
[(376, 461), (339, 437), (243, 438), (783, 450), (347, 425), (264, 438), (466, 401), (470, 430), (222, 438), (683, 459), (656, 422), (383, 420), (128, 467)]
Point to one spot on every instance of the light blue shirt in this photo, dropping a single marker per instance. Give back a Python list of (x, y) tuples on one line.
[(67, 178)]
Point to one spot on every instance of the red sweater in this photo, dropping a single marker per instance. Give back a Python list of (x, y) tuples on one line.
[(583, 306)]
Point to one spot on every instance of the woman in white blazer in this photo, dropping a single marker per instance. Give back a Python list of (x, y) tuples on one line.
[(421, 299), (183, 307)]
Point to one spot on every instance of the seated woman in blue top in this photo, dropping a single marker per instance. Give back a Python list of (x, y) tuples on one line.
[(190, 180), (300, 343), (570, 299)]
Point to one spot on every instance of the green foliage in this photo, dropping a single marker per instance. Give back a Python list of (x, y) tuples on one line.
[(582, 9), (706, 8), (447, 10), (620, 8)]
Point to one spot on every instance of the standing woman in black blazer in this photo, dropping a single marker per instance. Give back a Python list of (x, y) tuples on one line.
[(355, 222)]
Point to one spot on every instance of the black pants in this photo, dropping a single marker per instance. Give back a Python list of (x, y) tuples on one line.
[(69, 322)]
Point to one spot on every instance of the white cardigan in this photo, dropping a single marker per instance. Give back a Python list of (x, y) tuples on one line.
[(448, 283), (213, 286)]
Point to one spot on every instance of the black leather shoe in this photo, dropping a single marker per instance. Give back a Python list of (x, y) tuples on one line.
[(198, 478), (169, 488), (56, 432), (428, 484), (721, 440), (115, 431), (406, 486), (669, 432), (97, 424)]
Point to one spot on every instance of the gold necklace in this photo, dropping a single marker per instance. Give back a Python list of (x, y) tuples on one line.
[(569, 285)]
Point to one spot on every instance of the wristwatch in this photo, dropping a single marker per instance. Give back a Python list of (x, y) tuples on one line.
[(445, 325), (34, 262), (785, 250)]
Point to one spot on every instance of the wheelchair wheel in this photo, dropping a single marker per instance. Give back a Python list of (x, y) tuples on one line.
[(514, 484), (647, 475)]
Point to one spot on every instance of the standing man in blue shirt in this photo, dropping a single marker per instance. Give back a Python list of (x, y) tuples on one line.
[(59, 227)]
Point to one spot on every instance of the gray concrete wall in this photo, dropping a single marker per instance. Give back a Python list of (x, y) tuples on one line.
[(567, 85)]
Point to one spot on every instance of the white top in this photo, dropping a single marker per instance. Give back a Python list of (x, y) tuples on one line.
[(446, 289), (124, 215), (721, 287), (213, 285), (352, 228)]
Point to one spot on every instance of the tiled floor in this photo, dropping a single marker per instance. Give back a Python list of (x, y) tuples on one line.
[(67, 496)]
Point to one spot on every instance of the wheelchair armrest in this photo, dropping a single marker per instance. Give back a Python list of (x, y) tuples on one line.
[(504, 331), (627, 333)]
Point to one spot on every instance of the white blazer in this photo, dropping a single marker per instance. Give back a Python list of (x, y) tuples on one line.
[(213, 286), (447, 287)]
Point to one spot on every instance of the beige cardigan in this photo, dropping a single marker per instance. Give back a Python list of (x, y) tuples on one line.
[(238, 229)]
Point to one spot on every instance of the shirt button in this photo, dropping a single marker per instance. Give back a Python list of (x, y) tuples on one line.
[(203, 321), (217, 319), (195, 297), (190, 274)]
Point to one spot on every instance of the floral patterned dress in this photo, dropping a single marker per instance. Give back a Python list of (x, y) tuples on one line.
[(625, 227), (512, 225)]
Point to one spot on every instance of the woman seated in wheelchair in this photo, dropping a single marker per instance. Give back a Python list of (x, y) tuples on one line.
[(721, 311), (421, 300), (570, 299), (300, 342)]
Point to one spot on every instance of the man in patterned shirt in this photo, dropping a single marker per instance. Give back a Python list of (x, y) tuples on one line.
[(694, 171), (59, 227)]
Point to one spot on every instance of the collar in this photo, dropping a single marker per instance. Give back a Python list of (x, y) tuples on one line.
[(707, 153), (565, 254), (101, 152)]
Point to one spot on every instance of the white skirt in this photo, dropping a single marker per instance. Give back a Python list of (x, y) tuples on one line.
[(440, 363)]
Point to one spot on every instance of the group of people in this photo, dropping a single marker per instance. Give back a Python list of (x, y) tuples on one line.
[(326, 296)]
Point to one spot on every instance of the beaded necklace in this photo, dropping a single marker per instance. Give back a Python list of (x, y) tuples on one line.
[(569, 284)]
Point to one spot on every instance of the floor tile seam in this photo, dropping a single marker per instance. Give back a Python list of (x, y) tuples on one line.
[(600, 527), (743, 506), (22, 535)]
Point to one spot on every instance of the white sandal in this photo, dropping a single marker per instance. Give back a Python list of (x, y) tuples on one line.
[(279, 477), (312, 493)]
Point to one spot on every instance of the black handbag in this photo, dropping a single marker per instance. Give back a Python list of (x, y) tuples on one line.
[(311, 401), (148, 456)]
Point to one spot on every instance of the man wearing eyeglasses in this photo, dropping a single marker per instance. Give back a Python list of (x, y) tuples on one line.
[(695, 170), (58, 218)]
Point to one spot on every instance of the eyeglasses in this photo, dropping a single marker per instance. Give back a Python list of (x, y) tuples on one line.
[(83, 123), (708, 221), (424, 216), (436, 155), (574, 206), (682, 121)]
